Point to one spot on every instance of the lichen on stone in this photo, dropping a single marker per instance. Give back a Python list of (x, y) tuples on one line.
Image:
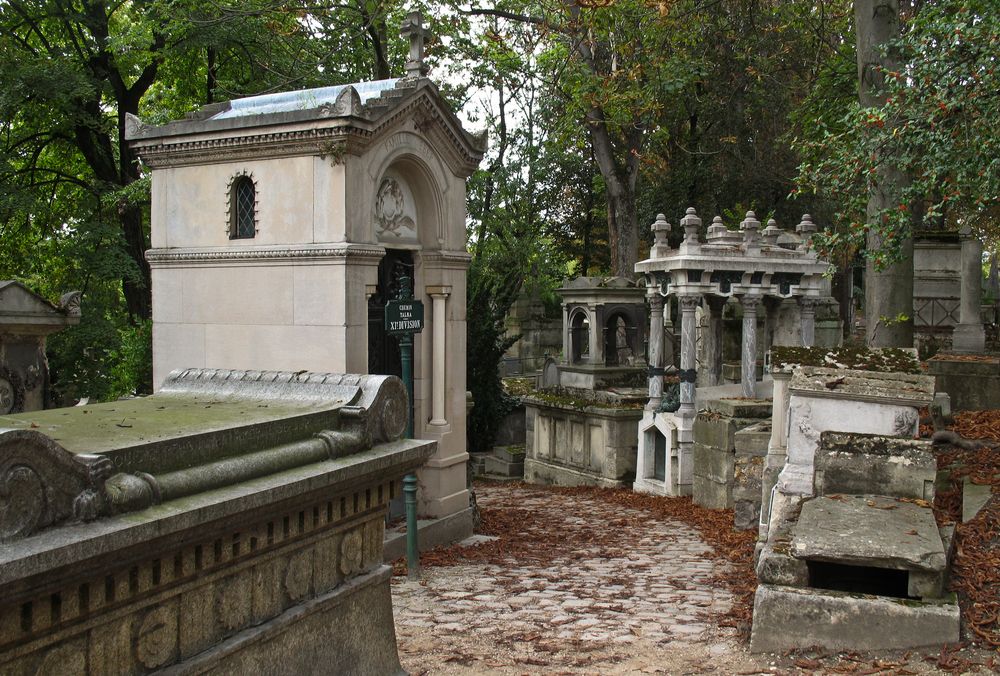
[(881, 360)]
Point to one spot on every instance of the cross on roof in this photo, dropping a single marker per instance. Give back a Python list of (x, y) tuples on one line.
[(413, 28)]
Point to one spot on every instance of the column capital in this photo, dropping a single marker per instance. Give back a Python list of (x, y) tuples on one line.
[(440, 290), (690, 301), (656, 302), (750, 303), (808, 303)]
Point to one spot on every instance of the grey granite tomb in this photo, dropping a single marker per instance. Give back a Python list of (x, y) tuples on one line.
[(863, 564), (231, 523)]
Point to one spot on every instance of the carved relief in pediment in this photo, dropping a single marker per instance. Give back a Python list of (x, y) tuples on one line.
[(395, 211)]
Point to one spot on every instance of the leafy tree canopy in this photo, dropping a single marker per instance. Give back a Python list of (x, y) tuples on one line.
[(939, 123)]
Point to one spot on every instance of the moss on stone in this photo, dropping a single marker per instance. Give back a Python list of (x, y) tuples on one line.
[(882, 360)]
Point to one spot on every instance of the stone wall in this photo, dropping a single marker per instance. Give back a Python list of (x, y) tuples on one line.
[(972, 384), (748, 468), (539, 335), (715, 454)]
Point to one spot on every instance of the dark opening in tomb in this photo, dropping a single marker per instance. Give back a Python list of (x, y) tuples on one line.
[(659, 456), (858, 579)]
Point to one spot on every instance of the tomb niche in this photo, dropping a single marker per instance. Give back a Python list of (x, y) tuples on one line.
[(282, 223)]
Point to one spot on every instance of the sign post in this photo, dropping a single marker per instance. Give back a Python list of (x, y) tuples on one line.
[(404, 316)]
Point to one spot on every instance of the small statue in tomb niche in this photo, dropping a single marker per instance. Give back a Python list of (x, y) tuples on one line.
[(625, 355)]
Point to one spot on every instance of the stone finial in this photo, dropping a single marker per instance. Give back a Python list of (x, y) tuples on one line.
[(805, 229), (750, 227), (660, 229), (413, 28), (70, 303), (771, 233), (691, 224), (717, 230)]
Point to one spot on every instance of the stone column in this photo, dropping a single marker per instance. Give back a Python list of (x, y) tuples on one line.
[(968, 336), (655, 350), (807, 309), (777, 447), (595, 335), (688, 331), (566, 341), (749, 351), (713, 341), (439, 296)]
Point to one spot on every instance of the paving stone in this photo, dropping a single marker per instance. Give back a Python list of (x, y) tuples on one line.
[(656, 588)]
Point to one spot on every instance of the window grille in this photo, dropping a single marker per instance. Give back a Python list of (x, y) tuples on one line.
[(244, 210)]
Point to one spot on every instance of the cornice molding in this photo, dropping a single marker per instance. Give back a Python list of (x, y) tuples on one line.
[(259, 254)]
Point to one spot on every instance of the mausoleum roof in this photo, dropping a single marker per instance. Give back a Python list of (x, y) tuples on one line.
[(23, 309), (304, 99), (323, 121), (754, 261)]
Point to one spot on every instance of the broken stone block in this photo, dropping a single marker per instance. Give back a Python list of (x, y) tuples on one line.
[(776, 565), (875, 464), (753, 440), (786, 618), (869, 530)]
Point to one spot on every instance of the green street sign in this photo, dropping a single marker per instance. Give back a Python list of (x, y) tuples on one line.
[(403, 317)]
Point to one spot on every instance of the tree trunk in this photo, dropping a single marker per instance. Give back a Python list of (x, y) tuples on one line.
[(619, 186), (888, 292), (622, 232)]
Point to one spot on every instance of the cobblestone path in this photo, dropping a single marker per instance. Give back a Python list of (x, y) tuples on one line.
[(578, 584), (615, 591)]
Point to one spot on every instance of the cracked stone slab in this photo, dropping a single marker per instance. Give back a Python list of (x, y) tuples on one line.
[(869, 530)]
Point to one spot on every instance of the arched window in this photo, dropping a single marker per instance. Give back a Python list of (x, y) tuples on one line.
[(243, 208), (619, 336), (579, 337)]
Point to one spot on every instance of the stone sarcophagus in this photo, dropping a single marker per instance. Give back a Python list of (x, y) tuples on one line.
[(233, 522)]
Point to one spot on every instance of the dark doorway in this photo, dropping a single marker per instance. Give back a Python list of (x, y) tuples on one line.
[(858, 579), (383, 351)]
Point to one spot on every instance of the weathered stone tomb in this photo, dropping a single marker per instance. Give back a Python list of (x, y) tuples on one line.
[(231, 523), (862, 564), (760, 270), (580, 428), (25, 320)]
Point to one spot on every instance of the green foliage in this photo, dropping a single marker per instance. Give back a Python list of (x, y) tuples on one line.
[(73, 202), (132, 362), (938, 124), (487, 306)]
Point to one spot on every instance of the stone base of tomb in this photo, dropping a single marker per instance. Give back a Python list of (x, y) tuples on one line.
[(431, 533), (972, 385), (730, 442), (787, 618), (310, 638), (573, 445)]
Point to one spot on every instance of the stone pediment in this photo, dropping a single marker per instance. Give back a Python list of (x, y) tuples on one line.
[(328, 121), (24, 310)]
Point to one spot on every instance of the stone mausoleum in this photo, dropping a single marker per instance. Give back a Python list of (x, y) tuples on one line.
[(281, 225), (763, 272)]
